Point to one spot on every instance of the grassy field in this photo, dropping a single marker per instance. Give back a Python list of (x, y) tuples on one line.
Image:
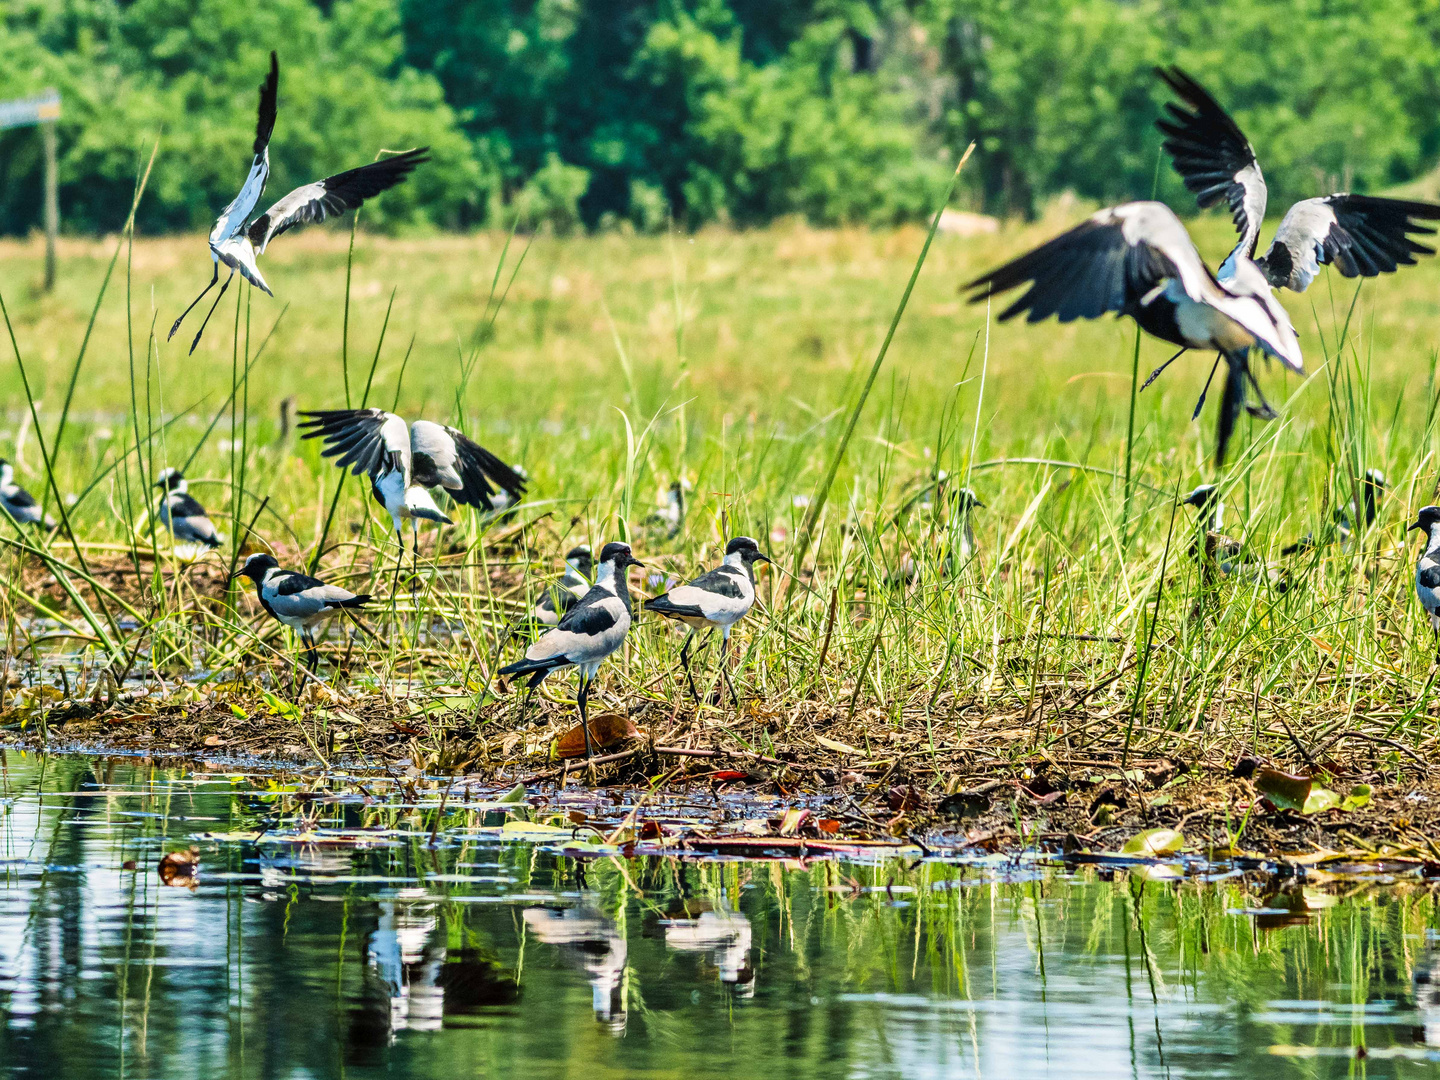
[(611, 365)]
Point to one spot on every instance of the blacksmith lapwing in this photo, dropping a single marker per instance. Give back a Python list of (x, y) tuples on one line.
[(237, 241), (19, 503), (588, 633), (569, 590), (1427, 569), (1354, 518), (716, 600), (1136, 259), (181, 514), (405, 461), (302, 603)]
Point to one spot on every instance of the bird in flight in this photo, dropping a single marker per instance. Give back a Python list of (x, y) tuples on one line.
[(302, 603), (1136, 259), (404, 461), (237, 240)]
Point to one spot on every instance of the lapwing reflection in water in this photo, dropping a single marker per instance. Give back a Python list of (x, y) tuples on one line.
[(725, 935), (591, 942)]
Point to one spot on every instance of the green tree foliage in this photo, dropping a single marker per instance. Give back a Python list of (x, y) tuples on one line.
[(567, 113)]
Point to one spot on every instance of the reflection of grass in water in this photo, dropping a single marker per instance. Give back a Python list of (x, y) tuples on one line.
[(764, 408)]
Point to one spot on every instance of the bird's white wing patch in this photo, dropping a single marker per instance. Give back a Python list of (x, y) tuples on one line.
[(434, 441), (1155, 225), (1302, 231)]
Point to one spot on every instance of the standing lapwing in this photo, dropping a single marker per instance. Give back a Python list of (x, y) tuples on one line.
[(19, 503), (569, 590), (1136, 259), (181, 514), (1220, 554), (302, 603), (1363, 236), (588, 633), (1355, 518), (237, 241), (1427, 569), (405, 461), (717, 600), (670, 515)]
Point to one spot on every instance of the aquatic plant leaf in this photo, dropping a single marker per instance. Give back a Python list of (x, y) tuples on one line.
[(514, 795), (1359, 796), (1154, 842), (1320, 799), (837, 746), (1283, 790), (606, 730), (240, 714)]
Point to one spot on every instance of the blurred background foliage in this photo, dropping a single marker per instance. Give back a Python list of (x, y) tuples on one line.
[(591, 113)]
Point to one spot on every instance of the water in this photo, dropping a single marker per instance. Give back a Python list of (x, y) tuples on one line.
[(481, 958)]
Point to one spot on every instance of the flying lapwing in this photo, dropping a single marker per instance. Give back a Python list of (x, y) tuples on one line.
[(302, 603), (716, 600), (1136, 259), (237, 241), (587, 633)]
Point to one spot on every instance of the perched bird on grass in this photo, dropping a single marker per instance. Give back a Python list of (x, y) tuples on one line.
[(405, 461), (1220, 553), (671, 514), (716, 600), (1355, 516), (302, 603), (565, 594), (19, 503), (589, 632), (1427, 569), (1136, 259), (181, 514), (237, 241)]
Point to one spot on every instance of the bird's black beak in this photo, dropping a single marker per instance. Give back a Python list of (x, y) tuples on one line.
[(760, 556), (634, 562), (1415, 525)]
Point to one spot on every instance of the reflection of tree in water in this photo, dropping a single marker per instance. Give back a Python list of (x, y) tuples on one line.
[(589, 941), (413, 980)]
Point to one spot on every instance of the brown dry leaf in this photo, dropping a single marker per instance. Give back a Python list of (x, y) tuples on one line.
[(180, 869), (1283, 790), (606, 730), (214, 740)]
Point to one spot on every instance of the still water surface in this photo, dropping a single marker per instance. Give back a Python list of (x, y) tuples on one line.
[(475, 958)]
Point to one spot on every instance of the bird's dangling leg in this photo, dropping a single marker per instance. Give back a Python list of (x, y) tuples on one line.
[(584, 721), (1263, 411), (1201, 403), (725, 669), (1156, 373), (212, 308), (685, 665), (213, 278), (1231, 405)]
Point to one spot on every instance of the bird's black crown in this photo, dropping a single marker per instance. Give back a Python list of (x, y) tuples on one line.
[(256, 565), (619, 554), (1427, 519), (748, 549), (582, 558), (170, 478)]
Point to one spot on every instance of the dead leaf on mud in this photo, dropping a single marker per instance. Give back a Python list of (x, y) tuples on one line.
[(1154, 842), (606, 730), (838, 746), (180, 869)]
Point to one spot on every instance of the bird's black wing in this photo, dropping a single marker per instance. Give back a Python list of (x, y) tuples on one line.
[(1212, 155), (1363, 235), (362, 440), (1429, 576), (333, 195), (479, 469), (20, 497), (588, 620), (1081, 274), (293, 583), (184, 506), (265, 124), (720, 581)]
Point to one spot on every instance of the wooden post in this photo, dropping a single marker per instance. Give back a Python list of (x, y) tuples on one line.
[(52, 201)]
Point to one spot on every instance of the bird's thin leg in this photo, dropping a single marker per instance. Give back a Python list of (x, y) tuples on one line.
[(415, 561), (535, 681), (399, 559), (312, 656), (584, 722), (213, 278), (1201, 403), (1263, 411), (725, 670), (212, 307), (1156, 373), (685, 664)]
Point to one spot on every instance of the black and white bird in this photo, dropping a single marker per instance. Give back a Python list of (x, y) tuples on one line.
[(1427, 569), (19, 503), (237, 240), (1220, 551), (1361, 235), (587, 633), (716, 600), (302, 603), (569, 590), (181, 514), (671, 513), (405, 461), (1136, 259), (1356, 516)]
